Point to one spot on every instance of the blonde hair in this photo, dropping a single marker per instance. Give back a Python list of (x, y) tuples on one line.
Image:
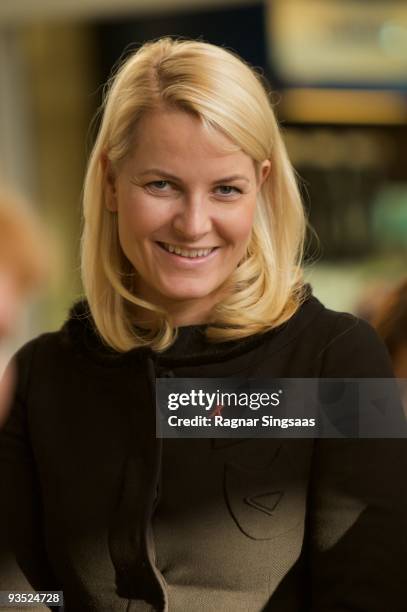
[(214, 84)]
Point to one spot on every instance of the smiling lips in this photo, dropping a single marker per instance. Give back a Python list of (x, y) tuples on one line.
[(188, 253)]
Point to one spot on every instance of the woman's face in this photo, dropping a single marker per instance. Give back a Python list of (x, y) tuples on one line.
[(185, 210)]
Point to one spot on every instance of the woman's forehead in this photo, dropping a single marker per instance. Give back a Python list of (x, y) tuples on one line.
[(177, 129), (177, 139)]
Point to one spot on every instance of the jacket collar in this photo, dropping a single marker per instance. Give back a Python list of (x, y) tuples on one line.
[(190, 347)]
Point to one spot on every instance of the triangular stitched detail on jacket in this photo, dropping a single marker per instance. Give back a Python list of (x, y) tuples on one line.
[(266, 502)]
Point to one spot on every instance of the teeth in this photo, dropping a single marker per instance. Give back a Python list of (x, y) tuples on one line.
[(186, 252)]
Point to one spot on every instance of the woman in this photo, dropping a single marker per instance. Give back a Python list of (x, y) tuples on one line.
[(192, 268)]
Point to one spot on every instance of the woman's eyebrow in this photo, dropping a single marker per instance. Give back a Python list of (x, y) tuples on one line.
[(160, 172), (232, 177)]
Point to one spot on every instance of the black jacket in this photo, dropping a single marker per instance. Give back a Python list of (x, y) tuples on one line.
[(94, 505)]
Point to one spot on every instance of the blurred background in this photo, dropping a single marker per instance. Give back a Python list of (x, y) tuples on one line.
[(339, 73)]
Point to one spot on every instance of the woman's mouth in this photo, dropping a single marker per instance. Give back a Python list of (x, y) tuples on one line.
[(187, 253)]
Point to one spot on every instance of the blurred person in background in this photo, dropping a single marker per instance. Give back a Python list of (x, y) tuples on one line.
[(192, 267), (22, 270), (390, 321)]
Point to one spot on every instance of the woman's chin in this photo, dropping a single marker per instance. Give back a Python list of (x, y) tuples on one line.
[(168, 292), (192, 293)]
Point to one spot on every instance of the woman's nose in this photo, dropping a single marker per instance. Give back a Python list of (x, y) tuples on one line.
[(193, 221)]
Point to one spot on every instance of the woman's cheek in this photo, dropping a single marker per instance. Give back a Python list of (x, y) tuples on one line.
[(241, 222)]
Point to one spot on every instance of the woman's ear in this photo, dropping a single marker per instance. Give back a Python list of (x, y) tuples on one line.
[(109, 183), (264, 171)]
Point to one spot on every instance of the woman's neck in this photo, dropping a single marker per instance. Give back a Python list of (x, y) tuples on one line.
[(184, 314)]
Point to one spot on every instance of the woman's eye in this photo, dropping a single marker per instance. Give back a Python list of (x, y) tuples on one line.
[(158, 185), (227, 190)]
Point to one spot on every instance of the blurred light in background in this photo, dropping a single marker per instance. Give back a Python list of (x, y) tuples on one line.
[(389, 220), (332, 42), (343, 62)]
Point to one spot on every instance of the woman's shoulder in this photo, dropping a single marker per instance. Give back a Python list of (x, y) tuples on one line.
[(46, 346), (76, 346), (348, 345)]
